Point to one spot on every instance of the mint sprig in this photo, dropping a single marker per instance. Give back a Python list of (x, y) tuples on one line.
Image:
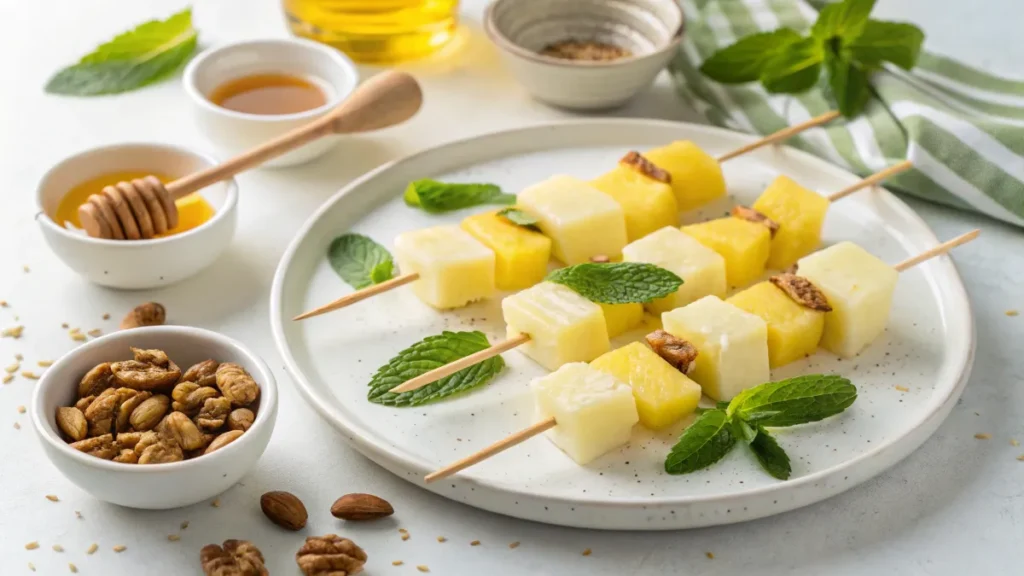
[(520, 218), (794, 401), (360, 261), (617, 282), (427, 354), (844, 42), (770, 455), (438, 197), (705, 442)]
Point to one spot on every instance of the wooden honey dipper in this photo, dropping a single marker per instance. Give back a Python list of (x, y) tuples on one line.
[(144, 207)]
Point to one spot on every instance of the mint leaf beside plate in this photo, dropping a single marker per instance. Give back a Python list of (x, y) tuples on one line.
[(360, 261), (617, 282), (744, 60), (438, 197)]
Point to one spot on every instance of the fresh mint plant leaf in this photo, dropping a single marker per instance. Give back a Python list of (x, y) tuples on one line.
[(794, 401), (617, 282), (427, 354), (772, 457), (744, 61), (360, 261), (795, 69), (437, 197), (844, 19), (743, 431), (705, 442), (895, 42), (148, 53), (520, 218), (721, 405), (849, 83)]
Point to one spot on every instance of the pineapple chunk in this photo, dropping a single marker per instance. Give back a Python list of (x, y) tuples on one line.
[(859, 288), (455, 269), (594, 411), (696, 177), (521, 254), (621, 318), (793, 330), (701, 268), (744, 245), (581, 221), (563, 326), (800, 214), (663, 394), (646, 203), (732, 345)]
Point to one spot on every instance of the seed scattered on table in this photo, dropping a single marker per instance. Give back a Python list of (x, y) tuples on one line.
[(120, 548), (73, 568), (587, 552), (1014, 442), (1012, 313), (184, 525), (30, 375), (4, 304), (31, 545), (442, 539), (405, 537), (12, 332), (78, 515), (45, 363), (902, 388), (983, 436), (215, 503), (31, 566), (13, 368), (92, 548), (514, 545), (19, 357), (17, 426), (8, 378), (474, 543), (423, 568), (173, 537), (95, 332), (397, 562), (52, 498), (710, 555), (64, 325), (21, 409), (25, 268), (106, 316), (58, 548)]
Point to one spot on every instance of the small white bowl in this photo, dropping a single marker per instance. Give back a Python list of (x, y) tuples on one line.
[(153, 486), (136, 264), (236, 132), (650, 29)]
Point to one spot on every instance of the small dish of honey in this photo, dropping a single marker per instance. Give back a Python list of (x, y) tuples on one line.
[(270, 94)]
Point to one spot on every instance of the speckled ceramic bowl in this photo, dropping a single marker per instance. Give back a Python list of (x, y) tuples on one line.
[(650, 29)]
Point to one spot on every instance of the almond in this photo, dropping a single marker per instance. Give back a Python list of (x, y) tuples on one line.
[(284, 509), (357, 507)]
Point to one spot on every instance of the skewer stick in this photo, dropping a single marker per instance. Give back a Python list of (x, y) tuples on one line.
[(781, 135), (872, 180), (497, 447), (359, 295), (465, 362), (937, 251)]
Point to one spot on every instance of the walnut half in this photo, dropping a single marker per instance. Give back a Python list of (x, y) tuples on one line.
[(802, 291), (676, 351), (237, 385), (636, 161), (150, 370), (751, 215), (233, 558), (330, 555)]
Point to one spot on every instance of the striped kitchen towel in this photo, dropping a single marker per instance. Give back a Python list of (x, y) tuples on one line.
[(963, 128)]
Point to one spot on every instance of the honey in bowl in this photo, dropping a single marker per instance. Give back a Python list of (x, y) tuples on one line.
[(269, 94), (193, 210)]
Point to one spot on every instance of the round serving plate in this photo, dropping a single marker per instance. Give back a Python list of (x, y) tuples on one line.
[(908, 380)]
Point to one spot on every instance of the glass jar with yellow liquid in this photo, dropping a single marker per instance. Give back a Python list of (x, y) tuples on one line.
[(375, 30)]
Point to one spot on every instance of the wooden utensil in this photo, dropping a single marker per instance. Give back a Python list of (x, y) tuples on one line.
[(144, 207)]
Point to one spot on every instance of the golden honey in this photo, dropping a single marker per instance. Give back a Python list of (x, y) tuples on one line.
[(269, 94)]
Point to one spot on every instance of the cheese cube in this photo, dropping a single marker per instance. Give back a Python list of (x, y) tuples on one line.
[(800, 214), (696, 177), (455, 269), (647, 203), (594, 411), (581, 221), (563, 326), (732, 345), (663, 394), (745, 246), (701, 268), (859, 288), (521, 254), (621, 318), (793, 330)]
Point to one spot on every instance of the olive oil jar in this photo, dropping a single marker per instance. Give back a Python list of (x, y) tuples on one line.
[(379, 31)]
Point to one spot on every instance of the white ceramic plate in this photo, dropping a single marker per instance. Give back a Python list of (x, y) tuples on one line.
[(927, 350)]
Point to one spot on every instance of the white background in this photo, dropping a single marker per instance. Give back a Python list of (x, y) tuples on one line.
[(956, 506)]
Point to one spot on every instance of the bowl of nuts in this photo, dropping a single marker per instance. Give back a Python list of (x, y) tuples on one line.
[(157, 417)]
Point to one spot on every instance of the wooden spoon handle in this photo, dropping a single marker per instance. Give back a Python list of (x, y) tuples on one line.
[(384, 100)]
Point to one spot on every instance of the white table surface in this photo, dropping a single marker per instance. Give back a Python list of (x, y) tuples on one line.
[(956, 506)]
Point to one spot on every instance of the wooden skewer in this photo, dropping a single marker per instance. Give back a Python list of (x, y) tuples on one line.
[(872, 180), (497, 447), (781, 135), (465, 362), (937, 251), (359, 295)]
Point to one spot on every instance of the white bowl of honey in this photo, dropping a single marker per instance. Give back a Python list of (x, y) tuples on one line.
[(205, 223), (247, 93)]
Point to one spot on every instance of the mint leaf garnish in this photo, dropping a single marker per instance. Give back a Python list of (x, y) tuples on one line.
[(617, 282), (519, 218), (849, 83), (360, 261), (744, 61), (895, 42), (794, 401), (845, 20), (772, 457), (150, 52), (437, 197), (427, 354), (795, 69), (705, 442), (743, 431)]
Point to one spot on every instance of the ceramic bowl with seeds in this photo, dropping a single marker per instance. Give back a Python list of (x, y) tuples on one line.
[(176, 441)]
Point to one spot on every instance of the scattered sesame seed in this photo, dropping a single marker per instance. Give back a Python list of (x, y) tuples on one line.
[(78, 515), (1014, 442), (1021, 457), (1011, 313), (423, 568), (403, 530), (30, 375), (31, 545), (12, 368), (73, 568), (4, 304), (58, 548), (586, 552), (709, 555), (184, 525), (106, 316), (397, 562), (215, 503), (95, 332), (64, 325), (442, 539), (92, 548), (405, 537), (17, 426), (8, 378), (12, 332), (173, 537), (25, 268), (514, 545), (45, 363), (78, 337), (31, 566), (120, 548), (19, 357), (902, 388), (474, 543), (21, 409), (983, 436), (52, 498)]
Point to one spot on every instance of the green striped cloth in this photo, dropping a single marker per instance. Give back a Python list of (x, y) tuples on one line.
[(961, 127)]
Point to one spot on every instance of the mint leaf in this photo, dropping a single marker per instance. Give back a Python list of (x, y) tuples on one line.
[(894, 42), (849, 84), (772, 457), (794, 401), (705, 442), (520, 218), (744, 61), (617, 282), (795, 69), (427, 354), (844, 19), (743, 431), (437, 197), (360, 261), (133, 59)]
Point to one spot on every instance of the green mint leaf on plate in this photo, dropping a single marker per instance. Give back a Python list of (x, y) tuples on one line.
[(520, 218), (744, 61), (617, 282), (721, 405), (427, 354), (770, 455), (849, 83), (743, 431), (705, 442), (360, 261), (795, 69), (437, 197), (150, 52), (894, 42), (844, 19), (794, 401)]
